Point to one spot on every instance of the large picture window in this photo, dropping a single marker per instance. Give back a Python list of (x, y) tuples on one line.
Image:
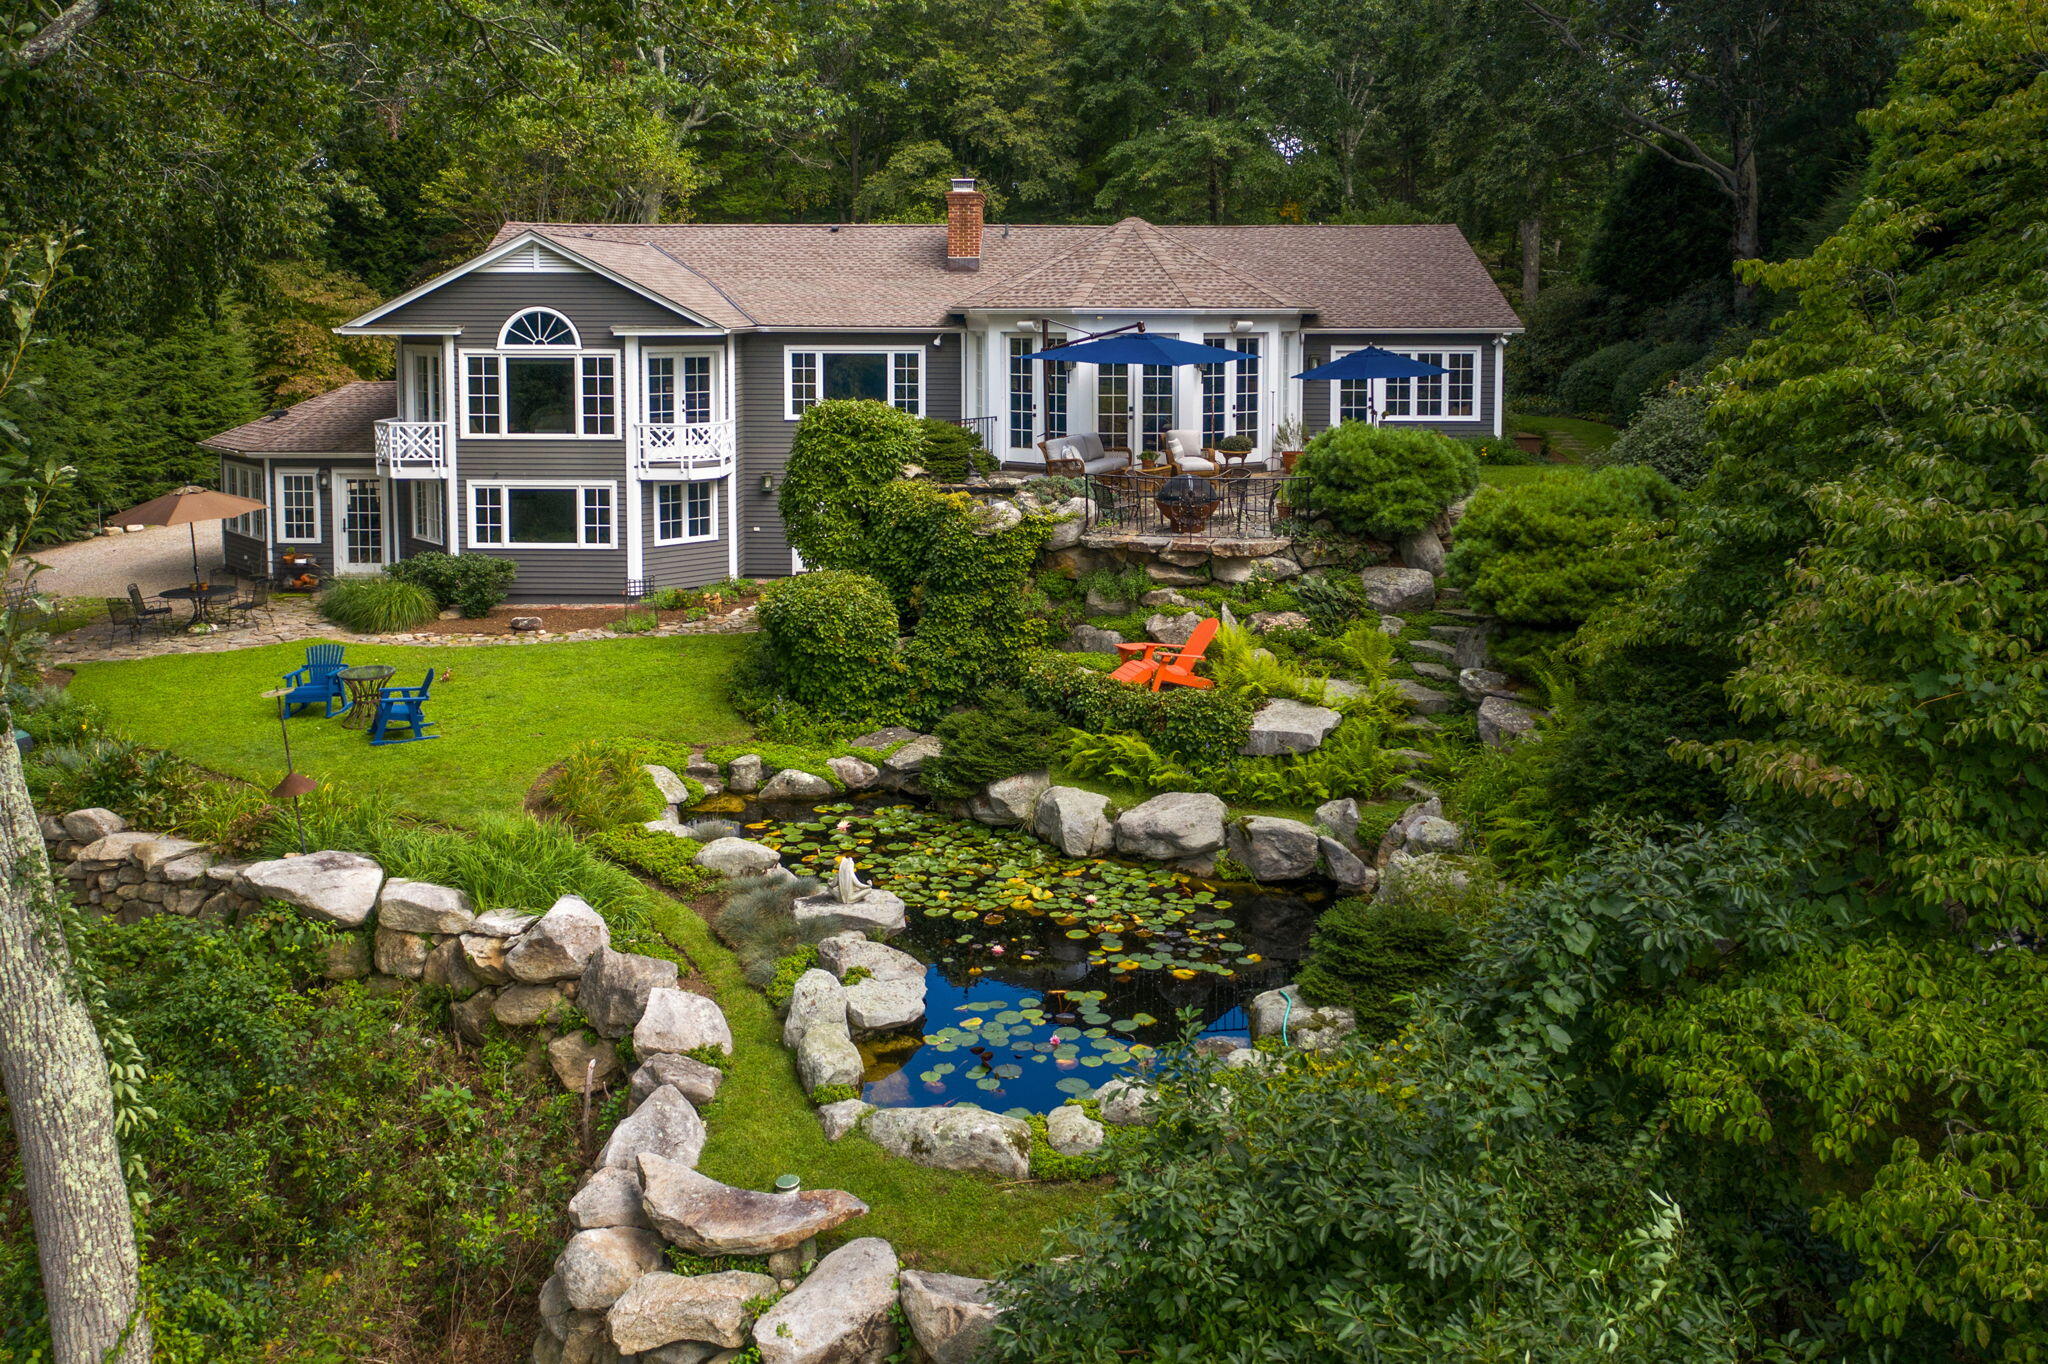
[(685, 511), (821, 374), (244, 480), (539, 383), (1452, 396), (538, 516)]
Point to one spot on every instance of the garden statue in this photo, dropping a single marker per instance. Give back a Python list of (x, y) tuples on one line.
[(847, 885)]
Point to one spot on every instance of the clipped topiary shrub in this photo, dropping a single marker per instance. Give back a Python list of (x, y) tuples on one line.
[(377, 604), (1385, 481), (1550, 553), (843, 451), (469, 583), (831, 639), (1007, 735), (1366, 955), (952, 451)]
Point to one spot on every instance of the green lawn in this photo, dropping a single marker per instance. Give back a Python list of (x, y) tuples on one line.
[(1574, 437), (506, 713), (1515, 475)]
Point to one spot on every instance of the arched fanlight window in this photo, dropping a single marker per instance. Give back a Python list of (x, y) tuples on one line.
[(538, 327)]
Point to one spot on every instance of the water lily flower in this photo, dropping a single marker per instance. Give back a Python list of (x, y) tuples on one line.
[(996, 949), (1087, 899)]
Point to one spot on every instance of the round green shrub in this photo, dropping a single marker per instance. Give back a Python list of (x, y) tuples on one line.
[(1550, 553), (1647, 375), (1365, 955), (832, 641), (842, 452), (1668, 435), (1587, 388), (1385, 481), (469, 583), (1004, 736), (377, 604)]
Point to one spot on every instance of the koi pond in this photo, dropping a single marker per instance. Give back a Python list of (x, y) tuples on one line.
[(1046, 975)]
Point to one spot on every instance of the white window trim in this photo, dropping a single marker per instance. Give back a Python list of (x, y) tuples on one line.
[(249, 480), (517, 313), (654, 510), (1379, 386), (580, 486), (717, 359), (411, 399), (575, 358), (319, 535), (420, 488), (789, 408)]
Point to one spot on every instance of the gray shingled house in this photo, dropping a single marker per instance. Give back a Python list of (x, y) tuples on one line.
[(606, 403)]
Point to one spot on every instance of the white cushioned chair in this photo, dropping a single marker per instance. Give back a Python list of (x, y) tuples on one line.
[(1185, 449)]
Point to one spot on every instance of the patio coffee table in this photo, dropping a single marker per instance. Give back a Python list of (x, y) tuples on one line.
[(363, 685)]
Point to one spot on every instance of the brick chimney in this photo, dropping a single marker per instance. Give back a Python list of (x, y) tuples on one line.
[(963, 225)]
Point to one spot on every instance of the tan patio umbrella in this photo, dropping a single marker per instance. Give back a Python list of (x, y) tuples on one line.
[(187, 506)]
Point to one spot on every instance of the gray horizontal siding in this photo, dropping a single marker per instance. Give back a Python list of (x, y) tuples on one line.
[(1316, 396), (552, 575), (693, 564), (254, 558), (764, 432), (481, 302)]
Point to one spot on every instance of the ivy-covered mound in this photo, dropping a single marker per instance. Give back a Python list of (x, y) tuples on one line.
[(1006, 921)]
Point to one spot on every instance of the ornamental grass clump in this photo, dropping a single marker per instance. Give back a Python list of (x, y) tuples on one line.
[(1384, 481), (377, 604)]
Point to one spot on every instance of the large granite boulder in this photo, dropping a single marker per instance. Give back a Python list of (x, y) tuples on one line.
[(527, 1006), (1346, 867), (954, 1139), (1394, 590), (1501, 722), (1311, 1027), (1174, 630), (423, 907), (1074, 821), (680, 1020), (333, 887), (949, 1315), (793, 784), (663, 1308), (667, 1125), (737, 857), (875, 911), (1009, 802), (1176, 824), (841, 1314), (705, 1217), (842, 952), (744, 773), (1421, 549), (837, 1119), (1126, 1103), (1476, 684), (817, 999), (900, 769), (1090, 639), (691, 1078), (874, 1006), (673, 789), (615, 985), (1433, 834), (1071, 1132), (559, 944), (609, 1198), (827, 1056), (1274, 849), (1340, 817), (599, 1265), (855, 774), (91, 824), (1283, 725)]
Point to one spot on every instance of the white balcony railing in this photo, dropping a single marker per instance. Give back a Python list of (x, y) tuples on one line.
[(696, 450), (412, 449)]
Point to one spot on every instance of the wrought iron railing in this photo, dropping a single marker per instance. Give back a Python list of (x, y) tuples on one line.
[(985, 427), (1248, 506), (411, 449), (692, 450)]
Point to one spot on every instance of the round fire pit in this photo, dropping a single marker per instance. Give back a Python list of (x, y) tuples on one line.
[(1187, 501)]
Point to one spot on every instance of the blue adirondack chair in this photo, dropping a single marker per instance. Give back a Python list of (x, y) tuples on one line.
[(400, 708), (315, 683)]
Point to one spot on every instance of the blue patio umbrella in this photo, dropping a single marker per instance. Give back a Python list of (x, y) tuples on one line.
[(1373, 363), (1139, 348)]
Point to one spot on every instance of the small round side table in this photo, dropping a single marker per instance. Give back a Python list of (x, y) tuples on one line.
[(363, 685)]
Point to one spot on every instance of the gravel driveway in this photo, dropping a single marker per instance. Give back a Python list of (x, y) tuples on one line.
[(103, 566)]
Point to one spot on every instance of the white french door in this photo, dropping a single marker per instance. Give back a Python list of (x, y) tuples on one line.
[(361, 530)]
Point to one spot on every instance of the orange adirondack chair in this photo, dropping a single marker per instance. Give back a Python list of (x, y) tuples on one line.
[(1145, 664)]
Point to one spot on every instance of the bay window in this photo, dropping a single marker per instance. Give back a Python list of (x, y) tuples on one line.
[(244, 480), (541, 516)]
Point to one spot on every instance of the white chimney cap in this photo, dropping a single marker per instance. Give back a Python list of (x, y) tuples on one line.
[(963, 184)]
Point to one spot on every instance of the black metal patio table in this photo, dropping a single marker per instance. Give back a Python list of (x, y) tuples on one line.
[(364, 683), (201, 597)]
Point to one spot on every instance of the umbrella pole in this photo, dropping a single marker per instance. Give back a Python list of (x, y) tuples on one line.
[(192, 528)]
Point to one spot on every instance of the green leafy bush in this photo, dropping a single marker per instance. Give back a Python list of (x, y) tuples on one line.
[(1499, 451), (1587, 388), (1007, 735), (1349, 763), (1648, 374), (1186, 724), (842, 453), (469, 583), (1330, 600), (952, 451), (1384, 481), (376, 604), (832, 636), (1550, 553), (1669, 435), (1366, 954)]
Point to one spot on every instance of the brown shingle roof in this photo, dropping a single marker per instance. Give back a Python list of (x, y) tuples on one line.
[(338, 422), (893, 274)]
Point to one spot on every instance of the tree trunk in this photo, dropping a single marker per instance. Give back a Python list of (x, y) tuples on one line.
[(1531, 234), (58, 1095), (1746, 235)]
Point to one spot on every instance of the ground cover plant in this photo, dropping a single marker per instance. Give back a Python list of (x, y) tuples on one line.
[(505, 714)]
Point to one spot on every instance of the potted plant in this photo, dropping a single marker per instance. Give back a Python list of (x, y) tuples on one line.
[(1288, 439), (1235, 449)]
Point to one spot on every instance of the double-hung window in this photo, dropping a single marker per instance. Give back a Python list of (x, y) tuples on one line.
[(541, 516), (685, 511), (429, 510), (539, 382), (1450, 396), (422, 385), (298, 506), (818, 374), (244, 480)]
